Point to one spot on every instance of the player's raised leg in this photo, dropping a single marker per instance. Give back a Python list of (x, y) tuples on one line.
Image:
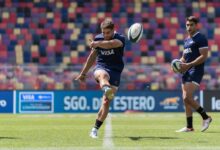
[(103, 78)]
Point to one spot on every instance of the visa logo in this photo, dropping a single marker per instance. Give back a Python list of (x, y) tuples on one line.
[(107, 52), (28, 97)]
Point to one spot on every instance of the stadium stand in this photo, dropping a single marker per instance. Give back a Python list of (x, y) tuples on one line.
[(44, 43)]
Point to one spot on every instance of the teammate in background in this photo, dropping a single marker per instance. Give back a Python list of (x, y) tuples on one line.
[(107, 50), (193, 58)]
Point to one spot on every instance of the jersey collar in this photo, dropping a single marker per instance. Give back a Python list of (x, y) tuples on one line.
[(195, 34)]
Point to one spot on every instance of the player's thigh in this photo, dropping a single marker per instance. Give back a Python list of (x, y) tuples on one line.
[(188, 89), (101, 73), (193, 76)]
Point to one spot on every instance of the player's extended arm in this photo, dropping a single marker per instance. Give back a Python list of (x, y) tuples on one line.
[(106, 44), (89, 62), (201, 58)]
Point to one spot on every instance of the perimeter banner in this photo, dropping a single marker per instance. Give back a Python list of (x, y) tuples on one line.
[(90, 101), (212, 101), (34, 101), (6, 102), (138, 101)]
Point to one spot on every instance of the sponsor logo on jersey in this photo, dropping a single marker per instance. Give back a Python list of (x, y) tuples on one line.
[(191, 42), (187, 50), (107, 52)]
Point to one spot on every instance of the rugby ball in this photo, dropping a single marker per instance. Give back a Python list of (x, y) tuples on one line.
[(175, 64), (135, 32)]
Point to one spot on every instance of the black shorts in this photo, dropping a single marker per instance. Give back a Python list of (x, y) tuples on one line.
[(115, 76), (193, 75)]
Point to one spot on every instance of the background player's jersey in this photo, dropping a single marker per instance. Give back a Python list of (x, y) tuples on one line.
[(192, 46), (111, 58)]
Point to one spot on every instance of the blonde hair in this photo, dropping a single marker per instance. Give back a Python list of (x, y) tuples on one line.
[(107, 24)]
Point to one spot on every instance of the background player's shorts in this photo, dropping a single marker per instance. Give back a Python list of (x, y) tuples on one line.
[(194, 76), (114, 75)]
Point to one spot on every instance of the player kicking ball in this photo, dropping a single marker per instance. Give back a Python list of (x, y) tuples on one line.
[(194, 56), (107, 51)]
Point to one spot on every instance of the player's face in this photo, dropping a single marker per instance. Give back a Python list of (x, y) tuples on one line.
[(107, 33), (191, 27)]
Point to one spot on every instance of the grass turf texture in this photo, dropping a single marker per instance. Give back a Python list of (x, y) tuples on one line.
[(129, 131)]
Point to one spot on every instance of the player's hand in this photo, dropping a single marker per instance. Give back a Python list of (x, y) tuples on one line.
[(184, 67), (93, 44), (81, 78)]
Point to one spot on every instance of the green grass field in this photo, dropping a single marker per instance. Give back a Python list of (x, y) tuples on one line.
[(128, 131)]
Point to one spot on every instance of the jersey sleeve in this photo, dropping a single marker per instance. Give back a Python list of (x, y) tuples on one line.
[(122, 39), (202, 43), (98, 38)]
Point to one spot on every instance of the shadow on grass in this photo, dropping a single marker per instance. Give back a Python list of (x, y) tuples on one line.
[(9, 138), (212, 132), (145, 137)]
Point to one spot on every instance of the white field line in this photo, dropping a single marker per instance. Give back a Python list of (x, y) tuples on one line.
[(107, 142)]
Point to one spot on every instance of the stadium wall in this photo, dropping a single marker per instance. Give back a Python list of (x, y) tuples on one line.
[(90, 101)]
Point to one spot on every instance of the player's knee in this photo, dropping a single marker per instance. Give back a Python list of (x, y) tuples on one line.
[(103, 77), (187, 99)]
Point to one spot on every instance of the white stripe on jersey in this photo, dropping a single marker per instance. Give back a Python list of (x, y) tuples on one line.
[(203, 47)]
